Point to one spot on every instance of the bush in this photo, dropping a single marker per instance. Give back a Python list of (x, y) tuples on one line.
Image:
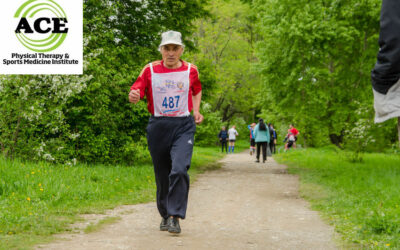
[(207, 132), (87, 118)]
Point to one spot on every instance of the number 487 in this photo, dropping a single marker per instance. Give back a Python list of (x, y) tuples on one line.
[(171, 102)]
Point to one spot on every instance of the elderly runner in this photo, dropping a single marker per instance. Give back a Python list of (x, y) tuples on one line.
[(173, 90)]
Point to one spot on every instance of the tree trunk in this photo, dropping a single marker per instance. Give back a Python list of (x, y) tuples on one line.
[(219, 103), (225, 113), (336, 139)]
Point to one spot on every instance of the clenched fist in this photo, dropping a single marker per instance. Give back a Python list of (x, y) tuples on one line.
[(198, 118), (134, 96)]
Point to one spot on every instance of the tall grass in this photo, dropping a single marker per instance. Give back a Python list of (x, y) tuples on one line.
[(40, 199), (361, 199)]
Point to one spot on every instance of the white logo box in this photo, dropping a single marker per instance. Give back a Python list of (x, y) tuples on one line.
[(17, 58)]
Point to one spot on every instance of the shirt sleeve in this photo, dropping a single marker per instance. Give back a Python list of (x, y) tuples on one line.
[(194, 79), (142, 81)]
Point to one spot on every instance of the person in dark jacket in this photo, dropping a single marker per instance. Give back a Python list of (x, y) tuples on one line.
[(273, 137), (252, 140), (386, 73), (223, 136)]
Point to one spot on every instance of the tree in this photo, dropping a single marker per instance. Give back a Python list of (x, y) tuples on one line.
[(315, 59), (225, 42), (88, 118)]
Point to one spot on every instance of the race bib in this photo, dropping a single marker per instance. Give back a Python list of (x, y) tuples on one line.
[(170, 93)]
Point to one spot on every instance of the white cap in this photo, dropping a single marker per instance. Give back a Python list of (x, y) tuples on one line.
[(171, 37)]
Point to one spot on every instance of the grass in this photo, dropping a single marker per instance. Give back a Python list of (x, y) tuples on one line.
[(101, 224), (241, 145), (204, 158), (38, 200), (361, 199)]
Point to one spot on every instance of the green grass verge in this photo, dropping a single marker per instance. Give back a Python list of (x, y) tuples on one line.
[(362, 200), (101, 224), (241, 145), (38, 200)]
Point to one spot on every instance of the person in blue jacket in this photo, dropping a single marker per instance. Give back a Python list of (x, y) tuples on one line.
[(223, 135), (262, 138)]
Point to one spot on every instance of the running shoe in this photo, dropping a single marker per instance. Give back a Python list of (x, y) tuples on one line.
[(164, 225), (174, 225)]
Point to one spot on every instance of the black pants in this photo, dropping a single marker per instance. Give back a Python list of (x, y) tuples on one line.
[(170, 141), (224, 143), (264, 150), (272, 147)]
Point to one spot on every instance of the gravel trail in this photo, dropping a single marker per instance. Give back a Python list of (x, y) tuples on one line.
[(244, 205)]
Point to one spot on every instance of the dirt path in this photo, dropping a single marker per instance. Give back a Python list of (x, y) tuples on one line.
[(245, 205)]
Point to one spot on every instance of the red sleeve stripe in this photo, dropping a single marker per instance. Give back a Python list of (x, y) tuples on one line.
[(156, 62), (143, 70)]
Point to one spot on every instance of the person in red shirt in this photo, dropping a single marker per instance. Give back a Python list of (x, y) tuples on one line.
[(295, 132), (173, 91)]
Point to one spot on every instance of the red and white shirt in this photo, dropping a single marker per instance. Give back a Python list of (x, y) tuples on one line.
[(171, 103)]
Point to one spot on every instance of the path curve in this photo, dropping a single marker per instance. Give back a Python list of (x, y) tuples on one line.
[(244, 205)]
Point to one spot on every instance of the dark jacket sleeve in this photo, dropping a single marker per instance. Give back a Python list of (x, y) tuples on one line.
[(387, 69)]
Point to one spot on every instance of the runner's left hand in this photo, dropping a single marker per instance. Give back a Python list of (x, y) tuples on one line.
[(198, 118)]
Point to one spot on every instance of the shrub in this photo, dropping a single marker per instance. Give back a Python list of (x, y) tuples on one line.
[(207, 132)]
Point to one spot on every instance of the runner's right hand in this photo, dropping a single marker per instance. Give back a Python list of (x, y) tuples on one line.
[(134, 95)]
